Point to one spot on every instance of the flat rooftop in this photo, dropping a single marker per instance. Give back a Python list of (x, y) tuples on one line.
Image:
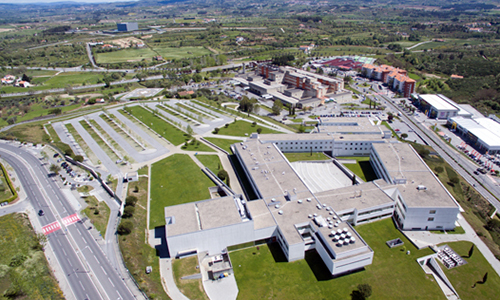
[(360, 197), (201, 215), (438, 102), (326, 137), (403, 162), (321, 176)]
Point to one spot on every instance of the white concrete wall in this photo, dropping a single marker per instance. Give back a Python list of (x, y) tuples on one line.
[(265, 233), (324, 255), (296, 251), (418, 218), (212, 240), (352, 263)]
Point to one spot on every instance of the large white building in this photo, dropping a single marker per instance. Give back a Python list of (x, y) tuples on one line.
[(286, 209), (441, 107), (481, 133)]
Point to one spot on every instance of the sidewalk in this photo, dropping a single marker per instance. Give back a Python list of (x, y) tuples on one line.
[(167, 279)]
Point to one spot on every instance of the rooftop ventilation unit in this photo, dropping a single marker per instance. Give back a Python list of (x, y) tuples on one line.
[(310, 216), (300, 201), (277, 206), (315, 215), (273, 199), (345, 229), (331, 213), (318, 206), (421, 188), (308, 199), (280, 212)]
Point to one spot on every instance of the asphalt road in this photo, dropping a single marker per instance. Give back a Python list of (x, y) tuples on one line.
[(78, 254)]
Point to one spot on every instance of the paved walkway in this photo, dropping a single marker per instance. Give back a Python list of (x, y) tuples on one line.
[(423, 239), (168, 280)]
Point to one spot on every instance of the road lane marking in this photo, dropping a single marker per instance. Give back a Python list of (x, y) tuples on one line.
[(104, 271), (111, 282), (81, 285)]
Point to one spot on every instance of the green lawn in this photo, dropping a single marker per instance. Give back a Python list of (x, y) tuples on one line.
[(191, 288), (223, 143), (212, 162), (195, 145), (305, 156), (81, 142), (393, 275), (175, 180), (243, 128), (168, 131), (23, 266), (462, 278), (98, 213), (37, 110), (362, 168)]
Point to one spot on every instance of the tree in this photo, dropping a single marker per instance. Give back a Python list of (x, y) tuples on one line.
[(439, 169), (54, 169), (189, 130), (222, 174), (125, 227), (78, 158), (216, 130), (130, 201), (471, 250), (390, 117), (128, 212), (347, 79), (26, 78), (353, 179), (302, 128), (277, 107), (259, 130), (365, 290), (404, 135)]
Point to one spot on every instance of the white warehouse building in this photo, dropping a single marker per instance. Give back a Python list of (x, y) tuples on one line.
[(287, 211)]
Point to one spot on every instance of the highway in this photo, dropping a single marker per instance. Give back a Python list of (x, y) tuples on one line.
[(457, 161), (88, 271)]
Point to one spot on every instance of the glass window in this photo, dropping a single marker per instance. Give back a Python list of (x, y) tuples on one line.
[(430, 219)]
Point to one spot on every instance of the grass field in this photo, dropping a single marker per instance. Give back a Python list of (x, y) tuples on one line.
[(37, 110), (182, 52), (98, 213), (137, 254), (212, 162), (305, 156), (462, 278), (168, 131), (243, 128), (125, 55), (191, 288), (264, 273), (223, 143), (24, 271), (195, 145), (362, 168), (27, 132), (130, 54), (175, 180)]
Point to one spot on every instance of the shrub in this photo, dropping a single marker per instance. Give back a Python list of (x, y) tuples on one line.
[(128, 212), (78, 158), (259, 130), (125, 227)]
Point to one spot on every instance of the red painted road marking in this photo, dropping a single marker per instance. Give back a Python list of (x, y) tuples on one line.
[(47, 229), (71, 219)]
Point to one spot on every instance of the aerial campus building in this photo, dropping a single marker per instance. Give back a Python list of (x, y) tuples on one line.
[(124, 27), (295, 87), (397, 79), (314, 205)]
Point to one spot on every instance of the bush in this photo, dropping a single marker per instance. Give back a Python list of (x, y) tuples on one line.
[(222, 174), (439, 169), (130, 201), (128, 212), (78, 158), (259, 130), (125, 227)]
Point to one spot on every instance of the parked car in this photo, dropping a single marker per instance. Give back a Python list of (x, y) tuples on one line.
[(41, 213), (56, 155)]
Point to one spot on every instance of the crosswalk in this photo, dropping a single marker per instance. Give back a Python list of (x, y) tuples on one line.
[(71, 219), (55, 226)]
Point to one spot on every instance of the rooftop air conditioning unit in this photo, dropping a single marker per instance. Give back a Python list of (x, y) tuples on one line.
[(421, 187)]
